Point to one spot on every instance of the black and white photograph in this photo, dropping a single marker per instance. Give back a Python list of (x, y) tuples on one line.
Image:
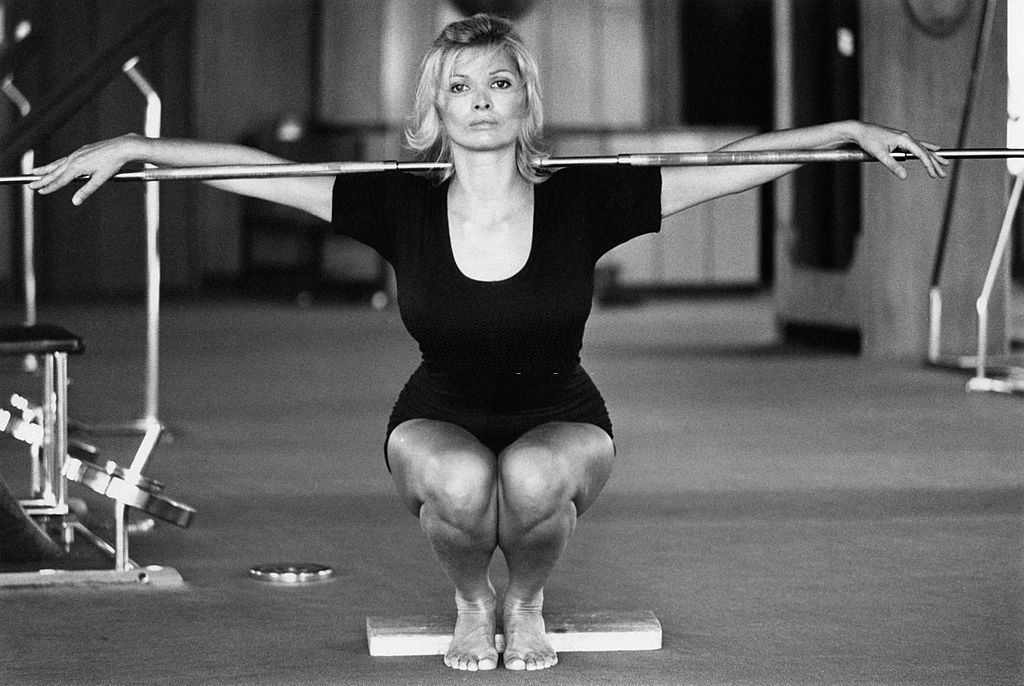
[(641, 342)]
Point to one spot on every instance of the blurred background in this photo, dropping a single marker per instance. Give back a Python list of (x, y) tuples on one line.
[(840, 249)]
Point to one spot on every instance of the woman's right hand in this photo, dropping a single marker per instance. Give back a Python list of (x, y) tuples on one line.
[(98, 161)]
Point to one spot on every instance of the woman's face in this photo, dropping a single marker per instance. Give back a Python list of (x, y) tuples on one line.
[(483, 105)]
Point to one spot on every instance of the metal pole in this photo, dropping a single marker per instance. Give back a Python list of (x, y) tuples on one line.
[(980, 382), (27, 208), (50, 457), (657, 159), (935, 291), (28, 223), (60, 438), (121, 560), (150, 422), (151, 130)]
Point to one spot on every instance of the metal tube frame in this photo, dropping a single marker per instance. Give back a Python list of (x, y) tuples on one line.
[(28, 264), (149, 426), (1014, 381), (54, 448), (24, 107), (49, 487), (935, 289)]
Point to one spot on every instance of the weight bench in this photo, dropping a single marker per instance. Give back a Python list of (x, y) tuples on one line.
[(55, 461)]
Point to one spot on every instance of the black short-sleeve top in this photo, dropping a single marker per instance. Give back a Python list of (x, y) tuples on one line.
[(534, 320)]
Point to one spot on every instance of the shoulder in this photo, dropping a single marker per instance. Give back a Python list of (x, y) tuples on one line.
[(390, 181), (599, 177), (601, 188)]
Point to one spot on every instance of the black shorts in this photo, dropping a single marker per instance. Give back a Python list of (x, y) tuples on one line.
[(509, 406)]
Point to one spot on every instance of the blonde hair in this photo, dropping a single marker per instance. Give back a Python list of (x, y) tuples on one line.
[(426, 134)]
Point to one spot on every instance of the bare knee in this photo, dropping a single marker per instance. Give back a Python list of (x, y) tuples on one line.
[(455, 482), (459, 487), (534, 485), (552, 466)]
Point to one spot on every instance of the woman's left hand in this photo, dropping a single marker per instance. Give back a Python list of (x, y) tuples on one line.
[(881, 142)]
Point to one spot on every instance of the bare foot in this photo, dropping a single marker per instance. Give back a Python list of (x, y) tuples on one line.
[(526, 641), (472, 647)]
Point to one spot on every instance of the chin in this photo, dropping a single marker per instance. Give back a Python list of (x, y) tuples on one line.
[(487, 146)]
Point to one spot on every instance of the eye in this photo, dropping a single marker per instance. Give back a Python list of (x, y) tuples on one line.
[(502, 84), (458, 87)]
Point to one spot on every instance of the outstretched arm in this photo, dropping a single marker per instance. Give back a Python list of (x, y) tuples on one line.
[(684, 187), (102, 160)]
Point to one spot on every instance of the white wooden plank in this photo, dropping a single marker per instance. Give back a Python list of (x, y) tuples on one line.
[(144, 577), (581, 632)]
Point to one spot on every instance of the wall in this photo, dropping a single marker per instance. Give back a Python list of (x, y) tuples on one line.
[(916, 82), (355, 63), (352, 61), (252, 62), (926, 93), (590, 54), (98, 249), (235, 65)]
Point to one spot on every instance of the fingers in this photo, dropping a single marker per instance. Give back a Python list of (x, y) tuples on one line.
[(94, 182), (52, 177), (882, 142), (46, 169), (933, 164), (94, 162)]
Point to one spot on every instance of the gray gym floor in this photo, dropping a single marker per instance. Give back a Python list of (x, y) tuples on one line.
[(791, 516)]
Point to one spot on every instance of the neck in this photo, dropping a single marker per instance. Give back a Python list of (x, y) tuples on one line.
[(487, 175)]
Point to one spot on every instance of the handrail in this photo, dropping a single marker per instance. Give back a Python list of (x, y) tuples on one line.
[(49, 115)]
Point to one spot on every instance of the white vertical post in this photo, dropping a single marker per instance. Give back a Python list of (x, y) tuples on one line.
[(28, 213), (997, 262), (151, 130), (151, 422)]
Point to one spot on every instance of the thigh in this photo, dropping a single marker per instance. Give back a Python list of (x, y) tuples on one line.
[(435, 459), (580, 455)]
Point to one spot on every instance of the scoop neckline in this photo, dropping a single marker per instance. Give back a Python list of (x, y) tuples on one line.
[(447, 230)]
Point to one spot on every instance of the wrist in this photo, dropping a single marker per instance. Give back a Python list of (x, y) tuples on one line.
[(849, 131), (134, 146)]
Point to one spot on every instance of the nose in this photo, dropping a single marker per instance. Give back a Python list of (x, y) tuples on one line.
[(482, 102)]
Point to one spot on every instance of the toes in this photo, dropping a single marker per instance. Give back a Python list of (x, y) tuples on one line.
[(541, 662), (516, 664), (468, 663), (531, 663)]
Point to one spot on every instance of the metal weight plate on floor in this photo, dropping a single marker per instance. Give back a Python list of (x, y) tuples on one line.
[(107, 478), (93, 459), (291, 572)]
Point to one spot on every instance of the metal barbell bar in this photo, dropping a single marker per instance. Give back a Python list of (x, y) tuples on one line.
[(661, 159)]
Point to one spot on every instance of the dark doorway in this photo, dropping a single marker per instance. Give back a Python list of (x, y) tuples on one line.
[(727, 80), (826, 73)]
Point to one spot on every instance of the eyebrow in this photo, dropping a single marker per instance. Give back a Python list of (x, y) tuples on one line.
[(491, 73)]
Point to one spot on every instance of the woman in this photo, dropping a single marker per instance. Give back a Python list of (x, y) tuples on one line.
[(499, 440)]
